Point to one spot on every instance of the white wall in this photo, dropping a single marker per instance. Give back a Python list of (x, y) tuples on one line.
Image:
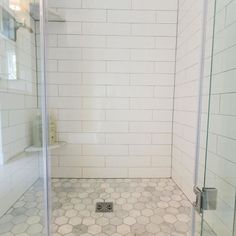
[(221, 162), (18, 104), (220, 171), (18, 97), (111, 76), (186, 93)]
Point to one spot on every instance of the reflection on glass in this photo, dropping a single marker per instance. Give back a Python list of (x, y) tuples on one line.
[(11, 64), (219, 137), (21, 171)]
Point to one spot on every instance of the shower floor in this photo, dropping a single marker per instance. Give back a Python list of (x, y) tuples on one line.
[(142, 207)]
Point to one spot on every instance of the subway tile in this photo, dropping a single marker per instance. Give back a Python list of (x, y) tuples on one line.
[(132, 67), (153, 55), (67, 150), (83, 15), (128, 138), (226, 148), (164, 67), (151, 127), (16, 117), (227, 106), (164, 92), (223, 125), (138, 42), (4, 119), (81, 66), (131, 16), (105, 172), (82, 138), (152, 79), (52, 65), (68, 114), (224, 82), (64, 53), (51, 40), (69, 126), (155, 4), (128, 161), (105, 150), (65, 103), (81, 161), (131, 91), (105, 103), (64, 78), (230, 10), (161, 161), (154, 29), (166, 42), (106, 78), (161, 138), (129, 115), (163, 115), (105, 126), (106, 29), (53, 90), (150, 149), (64, 28), (66, 172), (90, 41), (151, 103), (107, 4), (105, 54), (65, 4), (149, 172), (81, 91), (167, 17)]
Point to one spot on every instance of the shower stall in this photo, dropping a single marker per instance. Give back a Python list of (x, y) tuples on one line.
[(117, 117)]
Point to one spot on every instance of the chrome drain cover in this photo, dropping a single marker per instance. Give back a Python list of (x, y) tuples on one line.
[(104, 207)]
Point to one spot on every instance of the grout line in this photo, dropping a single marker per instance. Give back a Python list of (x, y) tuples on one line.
[(173, 106)]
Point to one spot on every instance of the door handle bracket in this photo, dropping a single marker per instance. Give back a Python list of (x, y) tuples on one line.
[(206, 199)]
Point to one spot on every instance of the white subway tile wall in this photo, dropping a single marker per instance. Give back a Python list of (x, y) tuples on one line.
[(18, 106), (221, 162), (220, 168), (186, 94), (111, 78)]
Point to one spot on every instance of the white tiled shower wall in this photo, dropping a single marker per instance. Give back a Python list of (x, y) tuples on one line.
[(221, 161), (111, 77), (220, 172), (18, 96), (18, 103), (186, 93)]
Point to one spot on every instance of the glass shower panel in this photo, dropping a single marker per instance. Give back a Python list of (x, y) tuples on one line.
[(221, 163), (208, 11), (22, 161), (220, 138)]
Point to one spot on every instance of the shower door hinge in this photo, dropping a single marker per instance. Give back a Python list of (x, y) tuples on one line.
[(206, 199)]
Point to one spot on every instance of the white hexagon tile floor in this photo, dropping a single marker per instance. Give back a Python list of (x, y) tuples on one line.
[(142, 207)]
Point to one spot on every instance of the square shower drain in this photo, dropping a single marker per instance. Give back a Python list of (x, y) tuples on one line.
[(104, 207)]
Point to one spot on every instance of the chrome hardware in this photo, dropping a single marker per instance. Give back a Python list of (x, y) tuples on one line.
[(206, 199)]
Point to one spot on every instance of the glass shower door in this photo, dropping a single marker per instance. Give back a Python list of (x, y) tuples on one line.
[(217, 160), (23, 167)]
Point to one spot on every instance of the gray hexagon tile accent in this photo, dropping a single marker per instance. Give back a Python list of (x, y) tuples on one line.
[(142, 207)]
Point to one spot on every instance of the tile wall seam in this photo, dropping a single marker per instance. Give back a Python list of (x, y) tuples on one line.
[(173, 105)]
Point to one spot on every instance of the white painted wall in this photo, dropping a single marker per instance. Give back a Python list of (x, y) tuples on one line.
[(111, 77)]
